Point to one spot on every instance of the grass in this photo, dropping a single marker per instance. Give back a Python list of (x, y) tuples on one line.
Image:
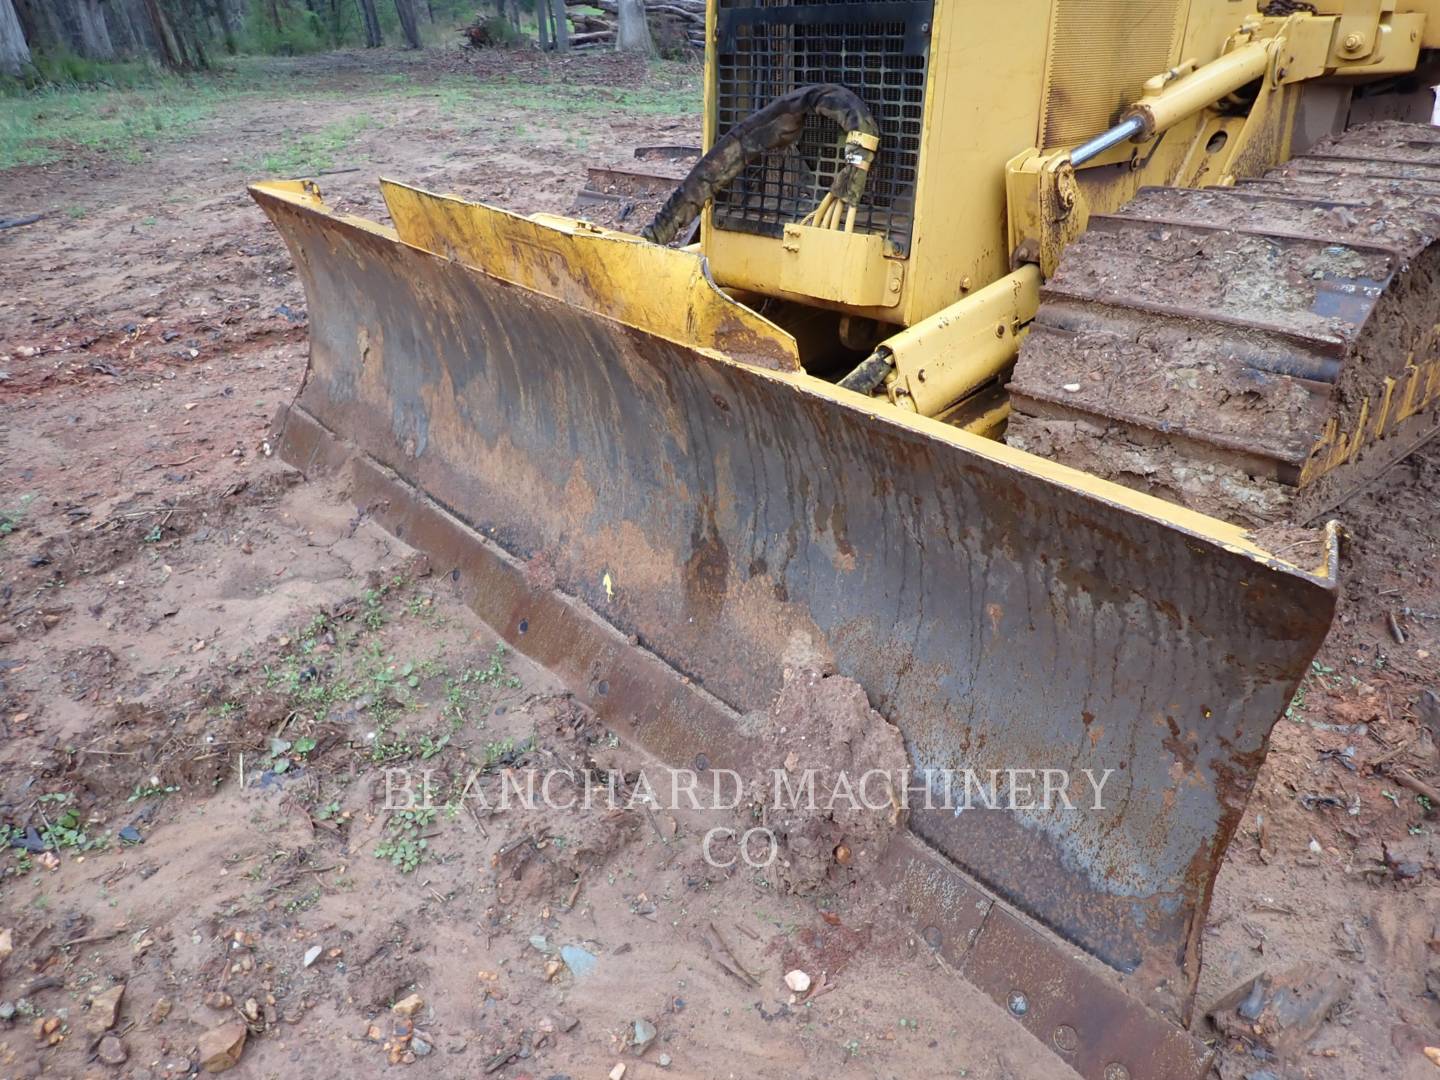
[(331, 663), (673, 89), (41, 127), (119, 109), (315, 151)]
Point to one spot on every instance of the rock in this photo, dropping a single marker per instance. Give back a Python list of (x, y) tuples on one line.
[(567, 1022), (131, 835), (221, 1047), (553, 968), (539, 942), (104, 1008), (644, 1035), (219, 1000), (419, 1047), (797, 981), (160, 1011), (579, 960), (7, 944), (408, 1006), (664, 1061), (618, 1072), (112, 1051), (251, 1009), (1433, 1053), (7, 1010), (312, 954), (1280, 1012)]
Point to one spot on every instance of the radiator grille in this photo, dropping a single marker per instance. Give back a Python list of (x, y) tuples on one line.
[(1101, 51), (878, 49)]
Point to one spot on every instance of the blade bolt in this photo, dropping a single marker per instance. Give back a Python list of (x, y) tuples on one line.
[(1020, 1004), (1116, 1071), (1066, 1039)]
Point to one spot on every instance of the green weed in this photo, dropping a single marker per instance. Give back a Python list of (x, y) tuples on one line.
[(11, 518), (315, 151), (403, 845), (37, 128)]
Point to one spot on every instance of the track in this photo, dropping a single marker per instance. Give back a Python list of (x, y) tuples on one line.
[(1257, 352)]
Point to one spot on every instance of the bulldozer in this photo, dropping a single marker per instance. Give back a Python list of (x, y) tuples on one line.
[(1023, 351)]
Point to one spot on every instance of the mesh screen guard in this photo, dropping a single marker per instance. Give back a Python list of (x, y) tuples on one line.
[(878, 49)]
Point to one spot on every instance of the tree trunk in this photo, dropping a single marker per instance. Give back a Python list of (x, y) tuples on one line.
[(542, 25), (167, 46), (373, 38), (221, 14), (562, 24), (128, 30), (14, 52), (409, 22), (84, 28), (188, 34), (632, 34)]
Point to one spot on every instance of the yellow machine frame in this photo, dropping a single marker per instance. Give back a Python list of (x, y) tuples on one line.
[(985, 237)]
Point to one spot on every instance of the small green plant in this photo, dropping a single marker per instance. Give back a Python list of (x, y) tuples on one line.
[(151, 790), (403, 845), (66, 831), (429, 747), (328, 810), (303, 902), (374, 602), (11, 518)]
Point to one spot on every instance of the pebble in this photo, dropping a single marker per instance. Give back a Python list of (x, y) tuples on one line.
[(644, 1034), (797, 981), (408, 1006), (664, 1061), (104, 1008), (419, 1046), (221, 1047), (7, 1010), (112, 1051), (580, 961), (618, 1072), (312, 954)]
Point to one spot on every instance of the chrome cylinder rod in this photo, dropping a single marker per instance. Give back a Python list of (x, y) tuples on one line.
[(1105, 140)]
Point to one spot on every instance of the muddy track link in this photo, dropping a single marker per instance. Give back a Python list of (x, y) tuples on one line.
[(1256, 352)]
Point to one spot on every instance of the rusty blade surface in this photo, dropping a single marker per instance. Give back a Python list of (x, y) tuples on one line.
[(1004, 612)]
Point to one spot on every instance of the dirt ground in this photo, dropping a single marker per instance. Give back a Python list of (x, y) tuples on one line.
[(205, 667)]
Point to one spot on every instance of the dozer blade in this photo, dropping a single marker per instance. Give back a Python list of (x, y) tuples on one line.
[(511, 393)]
